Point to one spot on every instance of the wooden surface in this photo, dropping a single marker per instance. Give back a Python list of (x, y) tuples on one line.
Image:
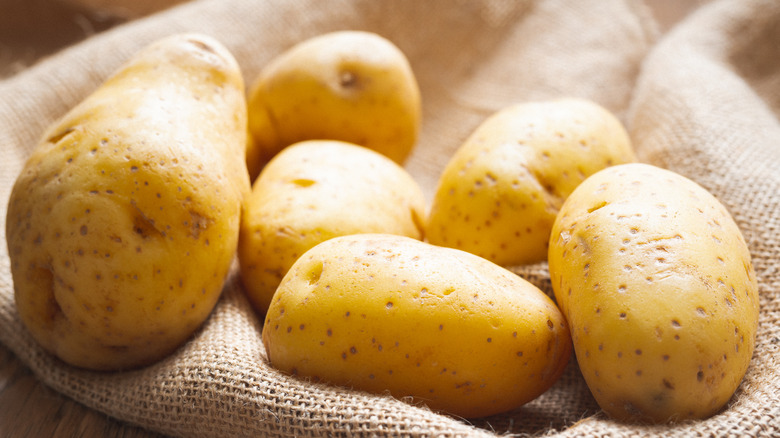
[(30, 30)]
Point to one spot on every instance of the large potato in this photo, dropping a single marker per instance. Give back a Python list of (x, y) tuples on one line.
[(500, 192), (124, 221), (349, 85), (656, 282), (313, 191), (445, 327)]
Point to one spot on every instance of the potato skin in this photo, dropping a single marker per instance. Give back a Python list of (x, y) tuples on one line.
[(352, 86), (389, 313), (657, 284), (499, 194), (315, 190), (123, 223)]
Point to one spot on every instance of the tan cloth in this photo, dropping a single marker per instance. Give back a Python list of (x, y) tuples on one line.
[(704, 101)]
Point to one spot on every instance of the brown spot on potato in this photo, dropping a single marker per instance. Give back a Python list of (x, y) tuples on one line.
[(145, 227), (314, 273), (349, 80), (198, 223)]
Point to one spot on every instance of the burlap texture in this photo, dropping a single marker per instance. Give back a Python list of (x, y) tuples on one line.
[(704, 102)]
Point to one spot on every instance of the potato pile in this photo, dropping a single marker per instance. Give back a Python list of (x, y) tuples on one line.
[(124, 223)]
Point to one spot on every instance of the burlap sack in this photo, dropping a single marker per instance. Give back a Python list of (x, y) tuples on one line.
[(703, 102)]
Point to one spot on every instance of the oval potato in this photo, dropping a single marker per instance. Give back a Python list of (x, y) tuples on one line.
[(353, 86), (657, 284), (123, 224), (499, 194), (389, 313), (315, 190)]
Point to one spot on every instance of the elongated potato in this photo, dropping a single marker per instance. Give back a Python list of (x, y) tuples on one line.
[(656, 282), (124, 221), (390, 313), (313, 191), (500, 192)]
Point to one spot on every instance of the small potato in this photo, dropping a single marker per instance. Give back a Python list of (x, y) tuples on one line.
[(123, 224), (313, 191), (352, 86), (445, 327), (499, 194), (657, 284)]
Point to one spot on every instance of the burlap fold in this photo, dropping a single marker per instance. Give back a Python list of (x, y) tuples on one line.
[(704, 101)]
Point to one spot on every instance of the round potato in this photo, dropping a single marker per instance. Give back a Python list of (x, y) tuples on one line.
[(352, 86), (499, 194), (657, 284), (313, 191), (123, 224), (445, 327)]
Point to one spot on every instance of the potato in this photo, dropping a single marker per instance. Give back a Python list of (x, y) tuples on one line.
[(315, 190), (389, 313), (124, 221), (352, 86), (657, 284), (500, 192)]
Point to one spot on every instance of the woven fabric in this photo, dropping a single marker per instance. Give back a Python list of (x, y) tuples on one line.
[(703, 101)]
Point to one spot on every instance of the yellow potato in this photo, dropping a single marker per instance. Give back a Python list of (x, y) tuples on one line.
[(500, 192), (124, 221), (442, 326), (656, 282), (313, 191), (349, 85)]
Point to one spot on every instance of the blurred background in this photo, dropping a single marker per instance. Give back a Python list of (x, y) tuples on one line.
[(33, 29)]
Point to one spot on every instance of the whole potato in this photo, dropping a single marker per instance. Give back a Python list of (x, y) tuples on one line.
[(500, 192), (123, 223), (657, 284), (444, 327), (353, 86), (315, 190)]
